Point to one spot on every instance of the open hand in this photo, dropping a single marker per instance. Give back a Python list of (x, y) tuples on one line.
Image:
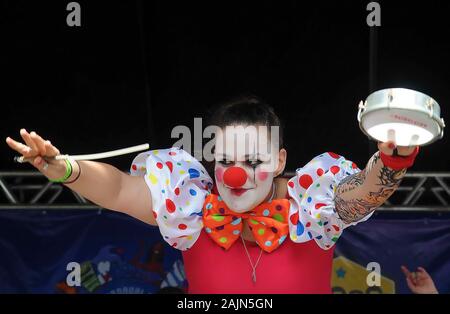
[(40, 153), (420, 282)]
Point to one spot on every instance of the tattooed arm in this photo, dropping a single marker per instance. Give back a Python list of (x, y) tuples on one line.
[(361, 193)]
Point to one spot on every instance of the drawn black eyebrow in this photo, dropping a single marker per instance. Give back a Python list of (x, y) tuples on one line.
[(224, 157), (247, 156)]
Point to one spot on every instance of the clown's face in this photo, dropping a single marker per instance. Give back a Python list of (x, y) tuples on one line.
[(247, 160)]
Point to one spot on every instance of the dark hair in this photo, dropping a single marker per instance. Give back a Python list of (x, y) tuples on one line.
[(246, 109)]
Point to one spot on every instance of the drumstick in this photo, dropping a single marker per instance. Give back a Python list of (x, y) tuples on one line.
[(112, 153)]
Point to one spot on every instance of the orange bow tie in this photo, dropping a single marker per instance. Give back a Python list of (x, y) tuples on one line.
[(268, 222)]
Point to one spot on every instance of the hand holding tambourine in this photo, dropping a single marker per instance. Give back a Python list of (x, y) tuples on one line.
[(400, 120)]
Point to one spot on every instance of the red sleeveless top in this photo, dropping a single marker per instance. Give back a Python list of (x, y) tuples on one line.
[(291, 268)]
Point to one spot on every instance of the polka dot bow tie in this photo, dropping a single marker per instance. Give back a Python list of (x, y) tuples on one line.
[(268, 222)]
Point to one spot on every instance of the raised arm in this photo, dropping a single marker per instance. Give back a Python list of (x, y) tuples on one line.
[(99, 182), (361, 193)]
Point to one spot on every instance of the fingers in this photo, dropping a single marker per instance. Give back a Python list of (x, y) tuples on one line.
[(423, 274), (39, 142), (410, 284), (405, 271), (388, 148), (51, 150), (39, 163), (411, 276), (29, 141), (19, 147), (34, 145), (405, 150), (422, 270)]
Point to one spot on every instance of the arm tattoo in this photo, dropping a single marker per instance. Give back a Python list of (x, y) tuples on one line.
[(376, 182), (351, 182), (391, 178), (373, 161)]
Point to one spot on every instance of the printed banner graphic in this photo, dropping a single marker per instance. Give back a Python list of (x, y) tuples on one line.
[(46, 252)]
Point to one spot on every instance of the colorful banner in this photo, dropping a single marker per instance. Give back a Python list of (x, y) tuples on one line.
[(388, 241), (113, 253)]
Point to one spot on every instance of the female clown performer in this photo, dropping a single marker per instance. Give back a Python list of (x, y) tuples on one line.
[(249, 230)]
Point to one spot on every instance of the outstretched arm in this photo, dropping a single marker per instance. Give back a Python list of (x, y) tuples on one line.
[(361, 193), (101, 183)]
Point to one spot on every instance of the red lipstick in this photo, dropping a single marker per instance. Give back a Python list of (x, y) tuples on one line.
[(238, 192)]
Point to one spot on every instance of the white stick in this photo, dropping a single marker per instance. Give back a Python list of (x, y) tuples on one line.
[(112, 153)]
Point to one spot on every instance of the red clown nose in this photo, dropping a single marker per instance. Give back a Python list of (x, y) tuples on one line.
[(235, 177)]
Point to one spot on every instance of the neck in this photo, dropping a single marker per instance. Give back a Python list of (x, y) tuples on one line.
[(271, 194)]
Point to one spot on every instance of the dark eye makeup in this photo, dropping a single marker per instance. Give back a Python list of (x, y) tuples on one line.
[(225, 162), (251, 163), (254, 163)]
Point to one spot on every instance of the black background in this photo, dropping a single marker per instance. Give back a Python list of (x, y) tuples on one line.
[(136, 69)]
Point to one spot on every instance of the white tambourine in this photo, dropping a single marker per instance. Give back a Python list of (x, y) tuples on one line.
[(405, 116)]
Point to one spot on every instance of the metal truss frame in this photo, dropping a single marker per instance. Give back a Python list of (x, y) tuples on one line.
[(31, 190)]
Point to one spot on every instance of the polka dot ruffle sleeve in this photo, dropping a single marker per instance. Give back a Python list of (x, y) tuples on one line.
[(178, 184), (312, 213)]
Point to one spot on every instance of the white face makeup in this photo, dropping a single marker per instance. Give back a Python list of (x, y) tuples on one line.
[(245, 149)]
